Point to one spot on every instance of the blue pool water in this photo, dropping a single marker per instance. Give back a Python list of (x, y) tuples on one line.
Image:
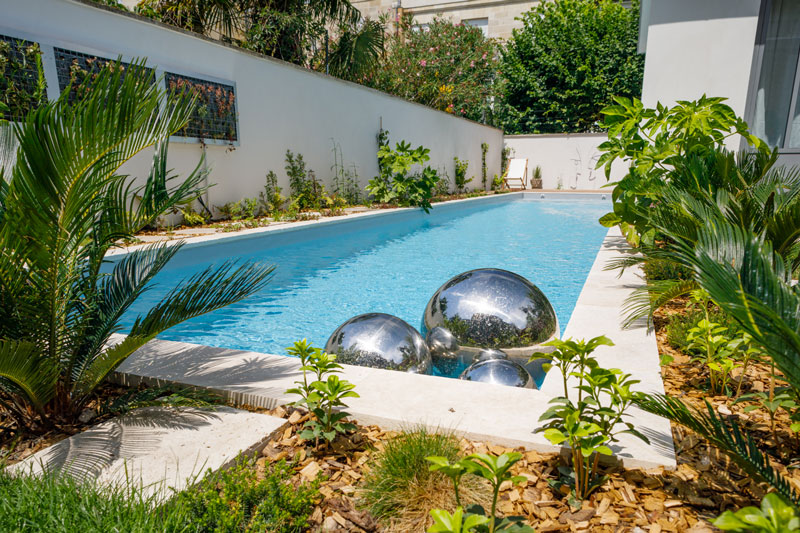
[(392, 264)]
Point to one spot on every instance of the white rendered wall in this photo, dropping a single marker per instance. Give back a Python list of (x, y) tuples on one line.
[(568, 160), (280, 106), (697, 47)]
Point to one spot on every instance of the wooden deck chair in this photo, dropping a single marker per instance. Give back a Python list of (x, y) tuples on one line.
[(516, 175)]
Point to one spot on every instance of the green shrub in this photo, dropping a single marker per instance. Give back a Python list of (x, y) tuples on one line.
[(401, 473), (461, 180), (679, 325), (658, 269), (236, 500), (56, 504)]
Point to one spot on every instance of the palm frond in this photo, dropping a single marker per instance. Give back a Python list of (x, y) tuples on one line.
[(725, 435), (24, 371), (645, 301), (213, 288)]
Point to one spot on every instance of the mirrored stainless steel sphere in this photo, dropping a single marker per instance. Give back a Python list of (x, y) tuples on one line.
[(487, 354), (442, 343), (499, 372), (379, 340), (493, 308)]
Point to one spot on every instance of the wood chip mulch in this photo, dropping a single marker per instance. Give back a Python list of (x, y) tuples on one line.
[(631, 500)]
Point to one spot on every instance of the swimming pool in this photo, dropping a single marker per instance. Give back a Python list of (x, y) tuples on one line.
[(390, 263)]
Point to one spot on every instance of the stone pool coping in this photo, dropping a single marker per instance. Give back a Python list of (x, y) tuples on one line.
[(394, 400)]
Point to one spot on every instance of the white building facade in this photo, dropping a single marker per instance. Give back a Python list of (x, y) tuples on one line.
[(745, 50)]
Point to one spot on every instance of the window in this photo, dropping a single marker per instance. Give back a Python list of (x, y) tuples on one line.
[(214, 116), (776, 110), (483, 24)]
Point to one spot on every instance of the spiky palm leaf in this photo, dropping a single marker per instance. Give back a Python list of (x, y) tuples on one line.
[(725, 435), (357, 51), (64, 207)]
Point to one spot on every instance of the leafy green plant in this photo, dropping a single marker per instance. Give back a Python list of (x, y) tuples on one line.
[(324, 395), (590, 424), (192, 217), (345, 180), (271, 198), (460, 180), (62, 208), (244, 209), (494, 469), (236, 500), (710, 344), (652, 141), (306, 190), (445, 522), (773, 401), (395, 183), (774, 516), (497, 183)]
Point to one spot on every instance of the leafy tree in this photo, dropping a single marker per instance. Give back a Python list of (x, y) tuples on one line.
[(447, 66), (63, 206), (566, 62)]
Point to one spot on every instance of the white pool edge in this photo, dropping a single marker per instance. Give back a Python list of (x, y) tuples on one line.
[(395, 400)]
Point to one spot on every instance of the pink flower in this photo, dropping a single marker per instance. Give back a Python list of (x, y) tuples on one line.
[(471, 63), (483, 56), (423, 62)]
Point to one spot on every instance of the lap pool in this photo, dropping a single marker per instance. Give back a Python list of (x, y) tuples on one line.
[(392, 263)]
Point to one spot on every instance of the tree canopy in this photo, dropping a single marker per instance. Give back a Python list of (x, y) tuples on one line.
[(566, 63)]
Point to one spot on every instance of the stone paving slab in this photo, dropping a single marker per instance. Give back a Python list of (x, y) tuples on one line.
[(155, 448)]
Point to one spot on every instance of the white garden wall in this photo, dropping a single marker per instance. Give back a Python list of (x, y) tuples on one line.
[(567, 160), (280, 106)]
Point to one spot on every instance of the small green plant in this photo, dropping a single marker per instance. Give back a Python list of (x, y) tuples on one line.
[(536, 177), (345, 180), (460, 181), (395, 184), (494, 469), (271, 198), (236, 500), (710, 344), (324, 395), (245, 209), (443, 185), (192, 217), (774, 516), (591, 423), (497, 183), (306, 190), (484, 174)]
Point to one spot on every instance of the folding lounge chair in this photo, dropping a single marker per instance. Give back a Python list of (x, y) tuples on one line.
[(516, 175)]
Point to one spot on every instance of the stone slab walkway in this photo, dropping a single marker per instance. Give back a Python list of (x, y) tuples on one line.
[(156, 449), (395, 400)]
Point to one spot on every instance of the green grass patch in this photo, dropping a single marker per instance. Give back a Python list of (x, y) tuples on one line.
[(237, 500), (401, 490)]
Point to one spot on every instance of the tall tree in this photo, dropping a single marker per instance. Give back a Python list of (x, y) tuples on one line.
[(566, 63)]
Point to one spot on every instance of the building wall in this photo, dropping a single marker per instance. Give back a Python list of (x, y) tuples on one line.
[(696, 47), (280, 106), (567, 160), (501, 14)]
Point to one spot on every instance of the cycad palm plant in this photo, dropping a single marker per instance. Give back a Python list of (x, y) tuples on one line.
[(63, 205), (747, 279), (747, 190)]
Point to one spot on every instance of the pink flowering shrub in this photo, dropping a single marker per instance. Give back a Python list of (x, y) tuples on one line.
[(448, 66)]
